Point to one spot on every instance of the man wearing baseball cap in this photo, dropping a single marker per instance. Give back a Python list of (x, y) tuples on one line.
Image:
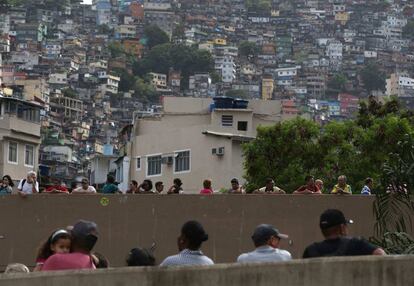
[(84, 236), (266, 239), (334, 227)]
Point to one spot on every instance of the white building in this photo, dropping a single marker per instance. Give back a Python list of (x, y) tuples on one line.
[(190, 142), (400, 85), (226, 66), (112, 84)]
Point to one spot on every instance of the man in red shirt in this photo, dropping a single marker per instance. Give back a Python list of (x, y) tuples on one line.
[(309, 188), (84, 237)]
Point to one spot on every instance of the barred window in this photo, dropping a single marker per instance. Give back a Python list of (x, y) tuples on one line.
[(182, 161), (154, 165)]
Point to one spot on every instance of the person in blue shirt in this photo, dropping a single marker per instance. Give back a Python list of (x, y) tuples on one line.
[(6, 186), (110, 187), (366, 190)]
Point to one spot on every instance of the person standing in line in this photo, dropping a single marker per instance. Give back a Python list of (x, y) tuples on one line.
[(334, 227), (189, 244), (159, 187), (319, 184), (6, 186), (342, 188), (110, 187), (146, 187), (369, 183), (235, 187), (207, 190), (270, 188), (29, 185), (266, 239), (85, 188), (176, 188), (309, 188)]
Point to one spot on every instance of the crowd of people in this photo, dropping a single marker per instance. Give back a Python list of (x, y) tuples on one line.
[(71, 248), (30, 185)]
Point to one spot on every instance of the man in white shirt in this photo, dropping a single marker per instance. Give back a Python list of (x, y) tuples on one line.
[(29, 185), (266, 238), (85, 188)]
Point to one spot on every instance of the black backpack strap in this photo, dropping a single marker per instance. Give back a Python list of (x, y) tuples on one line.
[(23, 182)]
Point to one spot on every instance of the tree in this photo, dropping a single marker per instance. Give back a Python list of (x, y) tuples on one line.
[(337, 84), (127, 79), (188, 60), (408, 30), (258, 5), (116, 49), (373, 78), (357, 148), (247, 49), (144, 91), (155, 36), (69, 92)]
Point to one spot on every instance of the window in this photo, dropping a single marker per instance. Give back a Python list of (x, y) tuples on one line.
[(182, 161), (227, 120), (12, 152), (242, 125), (138, 165), (29, 155), (154, 165)]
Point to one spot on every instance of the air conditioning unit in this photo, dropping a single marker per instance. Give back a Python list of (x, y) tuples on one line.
[(169, 160), (218, 151)]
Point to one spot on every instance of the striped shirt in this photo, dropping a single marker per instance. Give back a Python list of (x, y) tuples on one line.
[(187, 257), (265, 254)]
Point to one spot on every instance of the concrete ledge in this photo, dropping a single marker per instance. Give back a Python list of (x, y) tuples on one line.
[(338, 271)]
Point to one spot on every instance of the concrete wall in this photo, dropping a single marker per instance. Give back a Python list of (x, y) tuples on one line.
[(356, 271), (139, 220)]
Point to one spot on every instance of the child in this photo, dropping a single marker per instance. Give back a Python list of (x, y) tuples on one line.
[(58, 242)]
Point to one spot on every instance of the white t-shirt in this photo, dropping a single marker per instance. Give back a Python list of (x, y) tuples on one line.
[(27, 188), (90, 189)]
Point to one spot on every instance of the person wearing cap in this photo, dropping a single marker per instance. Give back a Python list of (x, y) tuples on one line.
[(334, 227), (235, 187), (270, 188), (266, 239), (84, 237), (189, 244)]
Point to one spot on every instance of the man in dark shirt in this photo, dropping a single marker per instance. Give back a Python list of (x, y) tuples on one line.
[(335, 230)]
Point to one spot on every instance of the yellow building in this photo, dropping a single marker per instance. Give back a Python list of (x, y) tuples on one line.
[(267, 88), (342, 17), (220, 42)]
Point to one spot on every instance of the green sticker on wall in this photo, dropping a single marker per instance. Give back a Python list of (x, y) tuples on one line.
[(104, 201)]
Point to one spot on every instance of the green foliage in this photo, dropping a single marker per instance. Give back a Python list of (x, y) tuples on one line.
[(247, 49), (337, 84), (396, 243), (285, 152), (144, 91), (373, 78), (358, 149), (68, 92), (258, 5), (116, 49), (155, 36), (127, 79), (188, 60), (408, 30)]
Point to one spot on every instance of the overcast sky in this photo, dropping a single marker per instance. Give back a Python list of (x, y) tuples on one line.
[(87, 1)]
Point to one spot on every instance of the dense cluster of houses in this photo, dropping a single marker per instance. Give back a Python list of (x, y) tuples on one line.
[(57, 71)]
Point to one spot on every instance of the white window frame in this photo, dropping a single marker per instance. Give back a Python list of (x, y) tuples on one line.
[(140, 163), (33, 155), (189, 161), (146, 171), (17, 153)]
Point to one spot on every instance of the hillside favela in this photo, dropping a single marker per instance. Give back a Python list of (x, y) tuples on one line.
[(207, 142)]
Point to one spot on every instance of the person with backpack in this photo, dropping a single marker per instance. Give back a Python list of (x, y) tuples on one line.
[(29, 185), (334, 227)]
